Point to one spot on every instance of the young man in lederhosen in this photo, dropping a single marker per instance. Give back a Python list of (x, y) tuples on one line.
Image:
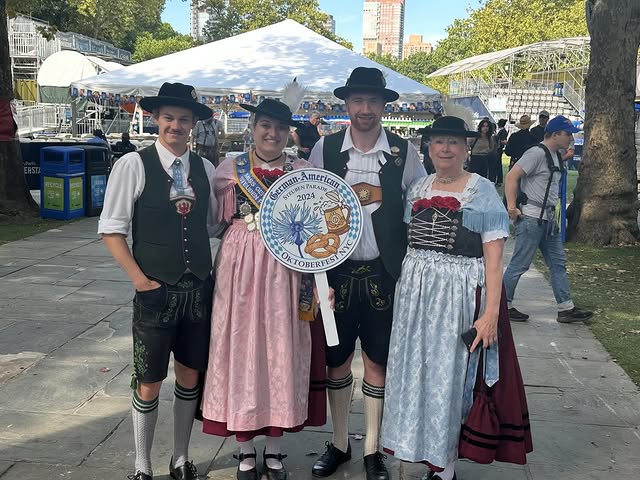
[(164, 194), (380, 166)]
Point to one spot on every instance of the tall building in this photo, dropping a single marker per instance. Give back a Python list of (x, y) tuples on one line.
[(415, 45), (383, 23), (330, 24), (199, 18)]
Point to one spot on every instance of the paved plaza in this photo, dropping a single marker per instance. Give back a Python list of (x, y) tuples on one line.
[(65, 369)]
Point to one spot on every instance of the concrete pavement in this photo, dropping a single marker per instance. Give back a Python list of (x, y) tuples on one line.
[(65, 366)]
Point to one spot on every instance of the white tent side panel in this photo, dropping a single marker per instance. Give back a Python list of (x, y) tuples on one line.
[(261, 61)]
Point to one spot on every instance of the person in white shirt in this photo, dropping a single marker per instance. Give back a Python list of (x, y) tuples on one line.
[(164, 195), (379, 165)]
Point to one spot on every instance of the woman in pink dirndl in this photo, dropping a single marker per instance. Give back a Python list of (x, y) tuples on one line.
[(262, 377)]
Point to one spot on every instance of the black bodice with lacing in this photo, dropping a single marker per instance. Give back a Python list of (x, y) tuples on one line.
[(441, 230)]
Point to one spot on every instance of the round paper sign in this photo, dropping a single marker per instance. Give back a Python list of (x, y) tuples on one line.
[(310, 220)]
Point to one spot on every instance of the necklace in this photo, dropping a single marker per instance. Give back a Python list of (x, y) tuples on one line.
[(265, 160), (447, 180)]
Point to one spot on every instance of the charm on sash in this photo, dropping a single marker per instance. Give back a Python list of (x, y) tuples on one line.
[(245, 209)]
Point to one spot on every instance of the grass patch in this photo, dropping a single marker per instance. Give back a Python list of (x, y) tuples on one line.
[(25, 227), (607, 281)]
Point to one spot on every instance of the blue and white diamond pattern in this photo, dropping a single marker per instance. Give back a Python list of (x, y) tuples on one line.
[(275, 245)]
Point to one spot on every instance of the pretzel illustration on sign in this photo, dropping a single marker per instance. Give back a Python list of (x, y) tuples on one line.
[(322, 245)]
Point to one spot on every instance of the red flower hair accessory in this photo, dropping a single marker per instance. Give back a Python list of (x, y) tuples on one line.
[(265, 174), (443, 203)]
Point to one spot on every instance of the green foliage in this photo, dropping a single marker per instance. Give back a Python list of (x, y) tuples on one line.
[(494, 25), (232, 17), (150, 46), (115, 21)]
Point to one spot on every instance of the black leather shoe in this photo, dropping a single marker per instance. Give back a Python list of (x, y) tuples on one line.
[(375, 467), (330, 460), (246, 474), (187, 471), (274, 473), (140, 476), (516, 316), (574, 315)]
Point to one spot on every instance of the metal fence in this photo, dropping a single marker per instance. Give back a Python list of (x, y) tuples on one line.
[(43, 117)]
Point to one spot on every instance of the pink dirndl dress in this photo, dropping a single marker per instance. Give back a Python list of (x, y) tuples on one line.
[(260, 378)]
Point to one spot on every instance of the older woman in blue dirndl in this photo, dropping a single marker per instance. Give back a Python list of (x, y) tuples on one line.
[(451, 281)]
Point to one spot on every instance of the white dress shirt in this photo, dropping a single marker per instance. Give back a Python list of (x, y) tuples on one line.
[(365, 167), (126, 183)]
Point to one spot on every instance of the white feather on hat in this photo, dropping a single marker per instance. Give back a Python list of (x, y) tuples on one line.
[(292, 95), (453, 109)]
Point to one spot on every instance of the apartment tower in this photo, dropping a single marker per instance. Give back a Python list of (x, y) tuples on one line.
[(383, 27)]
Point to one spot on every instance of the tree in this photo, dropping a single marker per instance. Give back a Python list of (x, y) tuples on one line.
[(500, 24), (605, 205), (115, 21), (15, 199), (232, 17), (150, 46)]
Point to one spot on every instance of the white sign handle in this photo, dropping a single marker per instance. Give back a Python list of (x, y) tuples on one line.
[(328, 319)]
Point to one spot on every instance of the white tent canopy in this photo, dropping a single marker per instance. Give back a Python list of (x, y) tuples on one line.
[(261, 62)]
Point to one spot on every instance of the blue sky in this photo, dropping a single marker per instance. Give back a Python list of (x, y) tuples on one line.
[(428, 18)]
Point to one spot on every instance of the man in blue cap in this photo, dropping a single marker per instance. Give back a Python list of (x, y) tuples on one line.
[(537, 175)]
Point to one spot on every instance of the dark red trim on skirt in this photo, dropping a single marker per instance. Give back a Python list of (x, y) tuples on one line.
[(317, 405), (514, 440)]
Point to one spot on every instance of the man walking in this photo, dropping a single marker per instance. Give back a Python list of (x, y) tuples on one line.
[(205, 139), (537, 174), (164, 194), (378, 165), (519, 141)]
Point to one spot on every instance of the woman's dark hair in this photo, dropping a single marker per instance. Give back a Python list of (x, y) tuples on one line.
[(491, 127), (502, 122)]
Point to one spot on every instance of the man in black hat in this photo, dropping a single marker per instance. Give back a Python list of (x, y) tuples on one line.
[(380, 166), (165, 194)]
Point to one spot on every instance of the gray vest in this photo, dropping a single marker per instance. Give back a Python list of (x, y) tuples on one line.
[(167, 243)]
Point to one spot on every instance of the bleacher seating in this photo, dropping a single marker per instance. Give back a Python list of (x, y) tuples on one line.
[(529, 101)]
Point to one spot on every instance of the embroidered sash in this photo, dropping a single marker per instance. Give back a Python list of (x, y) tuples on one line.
[(253, 188)]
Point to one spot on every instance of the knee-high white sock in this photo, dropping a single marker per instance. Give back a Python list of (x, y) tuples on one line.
[(248, 463), (145, 417), (373, 406), (340, 391), (273, 447), (185, 401)]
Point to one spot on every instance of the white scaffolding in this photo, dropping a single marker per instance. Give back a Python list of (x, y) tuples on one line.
[(522, 80)]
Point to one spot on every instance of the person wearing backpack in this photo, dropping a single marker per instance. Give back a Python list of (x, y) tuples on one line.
[(531, 190)]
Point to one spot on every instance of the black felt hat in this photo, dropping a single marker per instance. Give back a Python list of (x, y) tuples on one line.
[(274, 109), (178, 95), (448, 125), (367, 80)]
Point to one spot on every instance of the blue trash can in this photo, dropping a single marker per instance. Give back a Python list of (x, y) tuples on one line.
[(97, 165), (62, 182)]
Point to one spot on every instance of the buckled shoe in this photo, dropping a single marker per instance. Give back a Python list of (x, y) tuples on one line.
[(246, 474), (274, 473)]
